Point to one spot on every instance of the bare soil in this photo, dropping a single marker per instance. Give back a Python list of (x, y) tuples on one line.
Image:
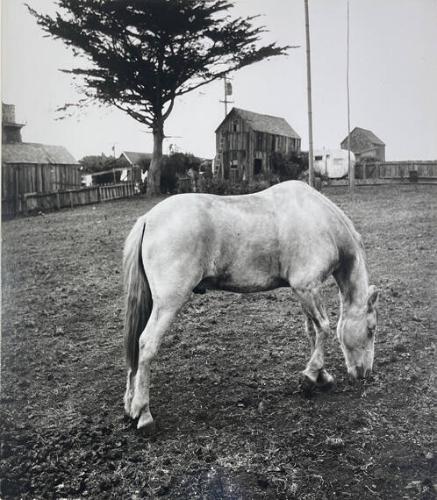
[(232, 422)]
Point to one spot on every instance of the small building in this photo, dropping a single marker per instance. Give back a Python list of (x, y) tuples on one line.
[(29, 167), (135, 165), (246, 142), (365, 144)]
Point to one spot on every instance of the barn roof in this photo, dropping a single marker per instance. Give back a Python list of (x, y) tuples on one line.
[(367, 135), (31, 153), (264, 123), (135, 158)]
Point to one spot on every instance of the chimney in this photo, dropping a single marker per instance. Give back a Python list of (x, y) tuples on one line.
[(11, 131)]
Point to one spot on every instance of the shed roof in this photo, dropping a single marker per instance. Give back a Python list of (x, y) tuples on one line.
[(135, 158), (31, 153), (264, 123), (368, 135)]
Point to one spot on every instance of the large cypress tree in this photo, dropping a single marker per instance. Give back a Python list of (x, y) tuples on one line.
[(140, 55)]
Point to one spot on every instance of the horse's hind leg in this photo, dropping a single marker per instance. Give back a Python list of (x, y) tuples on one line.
[(317, 329), (161, 317)]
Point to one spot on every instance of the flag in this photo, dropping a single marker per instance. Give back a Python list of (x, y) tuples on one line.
[(228, 88)]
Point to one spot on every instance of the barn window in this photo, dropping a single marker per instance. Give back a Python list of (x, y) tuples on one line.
[(235, 126)]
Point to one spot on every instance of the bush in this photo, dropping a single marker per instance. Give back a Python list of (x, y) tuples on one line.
[(288, 167), (174, 166), (215, 185)]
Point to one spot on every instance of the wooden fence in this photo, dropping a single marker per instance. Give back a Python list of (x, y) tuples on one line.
[(398, 171), (40, 202), (393, 172)]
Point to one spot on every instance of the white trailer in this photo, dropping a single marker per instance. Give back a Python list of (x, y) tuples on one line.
[(332, 164)]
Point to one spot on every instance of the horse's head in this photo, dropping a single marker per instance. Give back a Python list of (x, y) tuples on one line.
[(356, 331)]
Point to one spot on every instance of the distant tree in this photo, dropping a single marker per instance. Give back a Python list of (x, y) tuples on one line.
[(143, 54), (174, 166), (97, 163), (288, 166)]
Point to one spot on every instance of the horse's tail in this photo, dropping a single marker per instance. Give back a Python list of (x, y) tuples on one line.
[(138, 295)]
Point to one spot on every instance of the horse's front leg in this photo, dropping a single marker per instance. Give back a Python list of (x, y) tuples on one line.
[(317, 329)]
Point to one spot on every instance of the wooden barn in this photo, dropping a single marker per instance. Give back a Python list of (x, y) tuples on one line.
[(245, 142), (365, 144), (29, 167)]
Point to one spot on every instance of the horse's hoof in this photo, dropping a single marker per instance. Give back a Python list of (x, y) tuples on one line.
[(306, 385), (325, 381), (146, 429), (146, 423)]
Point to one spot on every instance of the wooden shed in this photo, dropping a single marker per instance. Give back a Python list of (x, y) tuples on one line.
[(246, 141), (29, 167), (365, 144), (35, 168)]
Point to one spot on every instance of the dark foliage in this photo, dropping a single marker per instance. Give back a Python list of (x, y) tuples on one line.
[(288, 167), (177, 165), (97, 163)]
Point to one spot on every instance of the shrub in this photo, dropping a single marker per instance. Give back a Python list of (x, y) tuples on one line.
[(288, 167), (174, 166)]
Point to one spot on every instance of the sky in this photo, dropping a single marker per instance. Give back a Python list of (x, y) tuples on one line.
[(393, 81)]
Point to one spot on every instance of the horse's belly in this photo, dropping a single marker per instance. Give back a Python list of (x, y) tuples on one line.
[(242, 283)]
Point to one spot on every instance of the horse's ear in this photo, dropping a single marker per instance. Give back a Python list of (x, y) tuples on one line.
[(372, 298)]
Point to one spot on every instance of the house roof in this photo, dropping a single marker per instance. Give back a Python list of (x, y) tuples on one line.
[(264, 123), (135, 158), (12, 125), (31, 153), (366, 135)]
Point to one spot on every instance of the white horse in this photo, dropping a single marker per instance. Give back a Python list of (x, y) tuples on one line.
[(286, 236)]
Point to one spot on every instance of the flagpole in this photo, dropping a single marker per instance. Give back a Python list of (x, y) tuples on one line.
[(310, 107)]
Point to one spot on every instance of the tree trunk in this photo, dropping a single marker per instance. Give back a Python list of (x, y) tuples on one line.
[(154, 175)]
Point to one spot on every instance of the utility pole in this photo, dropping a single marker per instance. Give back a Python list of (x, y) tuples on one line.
[(310, 107), (351, 169)]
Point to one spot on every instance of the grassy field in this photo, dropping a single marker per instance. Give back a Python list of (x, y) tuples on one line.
[(231, 420)]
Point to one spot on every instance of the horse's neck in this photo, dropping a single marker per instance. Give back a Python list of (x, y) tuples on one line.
[(353, 281)]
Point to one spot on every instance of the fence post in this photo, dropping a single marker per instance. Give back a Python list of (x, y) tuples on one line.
[(71, 199), (58, 201), (16, 192), (24, 203)]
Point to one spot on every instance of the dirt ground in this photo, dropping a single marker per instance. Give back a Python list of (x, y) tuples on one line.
[(232, 422)]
